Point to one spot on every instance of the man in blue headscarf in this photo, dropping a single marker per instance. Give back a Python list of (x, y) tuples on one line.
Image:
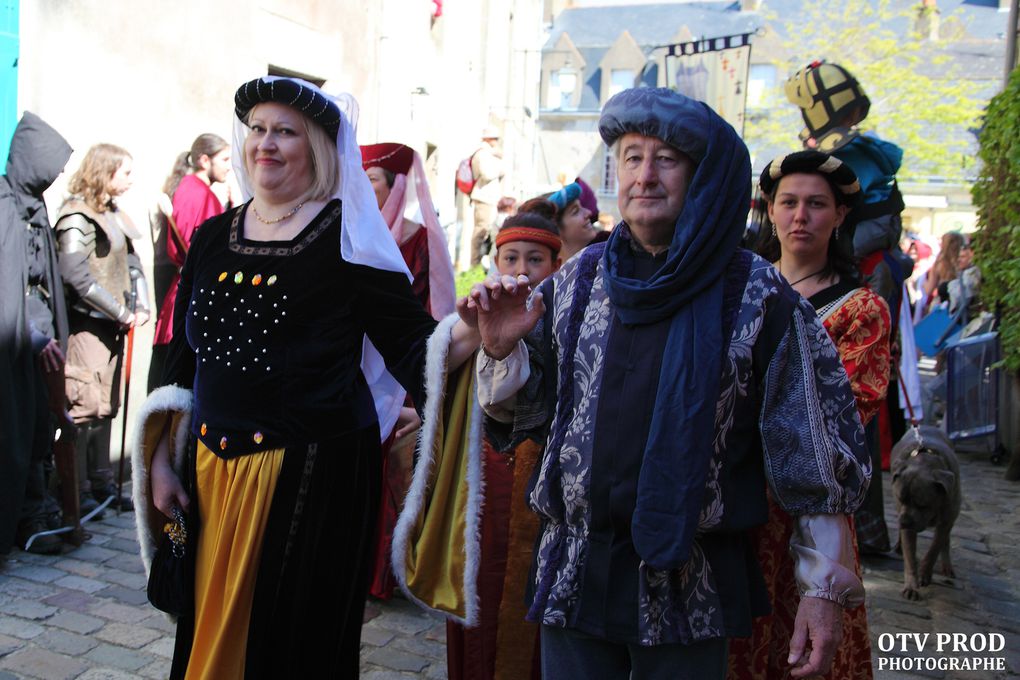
[(684, 377)]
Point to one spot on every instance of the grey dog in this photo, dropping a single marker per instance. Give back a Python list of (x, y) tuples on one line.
[(926, 484)]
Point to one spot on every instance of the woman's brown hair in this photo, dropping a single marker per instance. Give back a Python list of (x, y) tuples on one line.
[(206, 144), (91, 181), (945, 266)]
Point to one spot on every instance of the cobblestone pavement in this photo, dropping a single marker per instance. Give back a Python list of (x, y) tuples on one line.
[(84, 615)]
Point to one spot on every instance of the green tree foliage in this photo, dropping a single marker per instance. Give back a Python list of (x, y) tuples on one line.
[(468, 278), (997, 197), (919, 99)]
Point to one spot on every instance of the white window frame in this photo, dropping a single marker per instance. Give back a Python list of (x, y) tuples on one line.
[(558, 98), (610, 185), (627, 74)]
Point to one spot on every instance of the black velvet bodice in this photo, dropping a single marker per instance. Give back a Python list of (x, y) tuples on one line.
[(269, 335)]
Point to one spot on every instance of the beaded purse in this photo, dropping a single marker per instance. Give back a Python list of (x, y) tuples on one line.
[(172, 574)]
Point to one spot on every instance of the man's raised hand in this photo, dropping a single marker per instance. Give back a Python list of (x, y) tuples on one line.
[(500, 307)]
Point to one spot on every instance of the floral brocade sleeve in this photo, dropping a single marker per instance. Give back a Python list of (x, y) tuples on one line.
[(860, 330), (816, 457)]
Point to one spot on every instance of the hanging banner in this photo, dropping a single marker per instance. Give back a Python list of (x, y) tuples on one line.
[(712, 70)]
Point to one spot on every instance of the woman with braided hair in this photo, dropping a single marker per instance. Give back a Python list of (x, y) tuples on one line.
[(808, 194)]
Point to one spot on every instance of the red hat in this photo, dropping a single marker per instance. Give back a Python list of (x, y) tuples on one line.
[(588, 199), (397, 158), (923, 249)]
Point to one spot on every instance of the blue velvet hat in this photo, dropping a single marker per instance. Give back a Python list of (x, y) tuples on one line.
[(680, 121)]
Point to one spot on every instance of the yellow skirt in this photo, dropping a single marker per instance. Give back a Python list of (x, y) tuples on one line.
[(234, 498)]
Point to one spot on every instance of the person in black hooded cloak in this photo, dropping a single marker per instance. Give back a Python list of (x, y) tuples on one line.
[(33, 326)]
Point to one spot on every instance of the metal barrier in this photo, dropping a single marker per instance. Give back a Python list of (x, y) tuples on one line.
[(972, 392)]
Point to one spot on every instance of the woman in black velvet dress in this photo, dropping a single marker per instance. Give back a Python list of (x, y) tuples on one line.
[(264, 396)]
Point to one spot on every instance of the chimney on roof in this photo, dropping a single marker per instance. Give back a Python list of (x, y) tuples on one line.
[(928, 20), (552, 8), (750, 5)]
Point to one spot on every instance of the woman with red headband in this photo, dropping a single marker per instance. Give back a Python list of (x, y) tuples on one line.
[(487, 567)]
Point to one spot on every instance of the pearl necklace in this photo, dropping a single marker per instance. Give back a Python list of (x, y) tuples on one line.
[(277, 220)]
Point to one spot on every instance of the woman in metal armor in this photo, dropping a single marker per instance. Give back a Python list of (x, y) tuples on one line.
[(107, 295)]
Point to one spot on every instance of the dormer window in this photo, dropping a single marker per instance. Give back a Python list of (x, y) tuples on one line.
[(620, 79), (620, 66), (562, 85)]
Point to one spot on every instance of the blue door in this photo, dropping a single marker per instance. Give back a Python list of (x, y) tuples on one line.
[(8, 75)]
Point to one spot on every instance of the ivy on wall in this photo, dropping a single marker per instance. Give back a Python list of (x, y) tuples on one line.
[(997, 197)]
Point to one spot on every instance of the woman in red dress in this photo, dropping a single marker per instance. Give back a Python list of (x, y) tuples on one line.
[(397, 176), (808, 195)]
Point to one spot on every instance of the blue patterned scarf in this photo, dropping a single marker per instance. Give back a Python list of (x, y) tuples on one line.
[(689, 290)]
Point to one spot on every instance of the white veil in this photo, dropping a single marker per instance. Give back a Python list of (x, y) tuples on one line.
[(364, 237)]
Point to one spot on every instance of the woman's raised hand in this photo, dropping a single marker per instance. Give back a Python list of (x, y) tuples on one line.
[(499, 308)]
